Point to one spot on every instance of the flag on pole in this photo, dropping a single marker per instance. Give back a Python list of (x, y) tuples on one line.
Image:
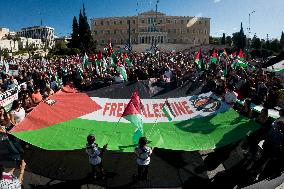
[(122, 71), (109, 49), (240, 63), (241, 55), (233, 55), (85, 60), (214, 56), (132, 113), (198, 60), (126, 60), (168, 111)]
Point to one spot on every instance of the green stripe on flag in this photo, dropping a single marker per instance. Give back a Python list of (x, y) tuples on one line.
[(195, 134)]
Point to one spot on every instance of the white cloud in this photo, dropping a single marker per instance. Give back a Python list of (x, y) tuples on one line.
[(217, 1)]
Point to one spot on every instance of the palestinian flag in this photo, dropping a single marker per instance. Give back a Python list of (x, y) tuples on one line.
[(122, 71), (241, 55), (85, 60), (198, 60), (132, 113), (201, 121), (233, 55), (126, 60), (278, 70), (214, 57), (168, 111), (109, 49), (241, 64), (225, 54)]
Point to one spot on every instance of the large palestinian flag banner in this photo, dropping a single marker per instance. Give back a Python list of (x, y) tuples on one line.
[(200, 122)]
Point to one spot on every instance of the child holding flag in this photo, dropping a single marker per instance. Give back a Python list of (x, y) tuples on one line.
[(143, 153), (95, 156)]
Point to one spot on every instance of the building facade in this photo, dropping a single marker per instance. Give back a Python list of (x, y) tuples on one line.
[(44, 33), (151, 27)]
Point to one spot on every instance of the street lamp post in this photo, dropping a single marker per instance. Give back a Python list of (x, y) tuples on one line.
[(249, 29), (156, 31)]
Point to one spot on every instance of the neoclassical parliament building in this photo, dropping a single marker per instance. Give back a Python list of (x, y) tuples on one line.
[(150, 26)]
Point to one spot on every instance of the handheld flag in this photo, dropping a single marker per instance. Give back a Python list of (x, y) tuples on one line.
[(198, 60), (168, 111), (214, 56), (132, 113)]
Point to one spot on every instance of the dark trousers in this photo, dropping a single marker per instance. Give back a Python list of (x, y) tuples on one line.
[(97, 170), (143, 172)]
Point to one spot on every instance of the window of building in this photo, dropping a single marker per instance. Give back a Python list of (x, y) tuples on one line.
[(103, 41), (120, 21), (133, 31), (187, 30), (175, 40), (199, 31), (95, 23), (174, 31), (162, 39), (205, 22), (121, 41), (200, 22), (168, 21), (169, 40), (182, 22), (180, 40), (102, 23), (108, 32), (169, 30), (193, 31), (205, 32), (133, 21), (142, 21), (114, 31), (175, 21), (95, 32), (121, 31), (142, 41), (161, 21), (108, 23)]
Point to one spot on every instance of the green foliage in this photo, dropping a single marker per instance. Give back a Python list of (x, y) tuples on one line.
[(282, 40), (239, 39), (255, 43), (223, 39), (75, 41), (86, 41), (229, 41), (214, 40), (61, 49)]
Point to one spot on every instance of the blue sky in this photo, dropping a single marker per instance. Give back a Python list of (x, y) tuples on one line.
[(226, 15)]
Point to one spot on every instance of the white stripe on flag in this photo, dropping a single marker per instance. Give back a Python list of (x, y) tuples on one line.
[(168, 111)]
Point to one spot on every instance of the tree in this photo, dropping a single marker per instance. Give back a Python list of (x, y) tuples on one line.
[(255, 43), (239, 38), (223, 39), (275, 46), (228, 41), (282, 40), (86, 40), (75, 41), (214, 40)]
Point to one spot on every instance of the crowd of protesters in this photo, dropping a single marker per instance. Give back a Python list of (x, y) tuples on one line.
[(40, 79)]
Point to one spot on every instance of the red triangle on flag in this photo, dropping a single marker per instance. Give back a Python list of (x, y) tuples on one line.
[(214, 53), (241, 54), (134, 106)]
